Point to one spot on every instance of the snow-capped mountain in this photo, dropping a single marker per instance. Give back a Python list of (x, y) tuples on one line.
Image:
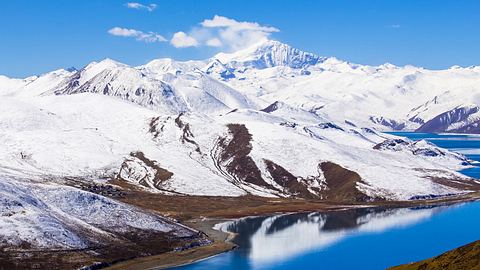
[(270, 120), (185, 131), (268, 54), (156, 85), (386, 97)]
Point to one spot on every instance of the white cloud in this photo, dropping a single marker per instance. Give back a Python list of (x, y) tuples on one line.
[(221, 21), (214, 42), (138, 35), (220, 32), (182, 40), (230, 34), (134, 5)]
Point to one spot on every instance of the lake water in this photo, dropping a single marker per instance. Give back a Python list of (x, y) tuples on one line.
[(371, 238)]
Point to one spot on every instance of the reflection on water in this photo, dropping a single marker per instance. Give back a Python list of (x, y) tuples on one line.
[(362, 238), (280, 237)]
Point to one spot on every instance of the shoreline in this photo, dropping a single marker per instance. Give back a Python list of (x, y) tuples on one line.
[(222, 241)]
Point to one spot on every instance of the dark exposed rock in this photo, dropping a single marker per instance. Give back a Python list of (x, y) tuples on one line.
[(419, 148), (391, 144), (312, 133), (368, 130), (233, 156), (329, 126), (187, 135), (464, 184), (428, 152), (342, 184), (272, 107), (316, 110), (101, 189), (350, 123), (153, 127), (293, 185), (161, 174), (394, 125), (227, 74), (289, 124), (441, 122), (429, 196), (416, 119), (232, 111)]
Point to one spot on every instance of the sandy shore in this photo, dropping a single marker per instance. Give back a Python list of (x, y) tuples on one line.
[(221, 243)]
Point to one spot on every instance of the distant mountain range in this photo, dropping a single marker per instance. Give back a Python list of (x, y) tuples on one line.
[(386, 97)]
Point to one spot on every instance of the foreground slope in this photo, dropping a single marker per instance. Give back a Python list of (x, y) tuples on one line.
[(56, 226), (465, 257)]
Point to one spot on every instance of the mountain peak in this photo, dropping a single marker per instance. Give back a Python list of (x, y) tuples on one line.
[(110, 62), (106, 63), (270, 53)]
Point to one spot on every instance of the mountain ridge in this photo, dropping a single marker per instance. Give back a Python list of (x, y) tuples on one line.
[(269, 71)]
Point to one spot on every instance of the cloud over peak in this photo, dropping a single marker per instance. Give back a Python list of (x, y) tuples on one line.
[(228, 33), (220, 32)]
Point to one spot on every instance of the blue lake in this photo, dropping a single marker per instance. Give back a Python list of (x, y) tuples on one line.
[(372, 238)]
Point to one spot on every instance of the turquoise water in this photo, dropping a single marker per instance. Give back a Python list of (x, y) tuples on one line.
[(356, 238)]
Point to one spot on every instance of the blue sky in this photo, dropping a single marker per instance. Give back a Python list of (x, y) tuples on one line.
[(40, 36)]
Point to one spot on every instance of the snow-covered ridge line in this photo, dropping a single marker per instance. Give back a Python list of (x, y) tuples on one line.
[(387, 97)]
